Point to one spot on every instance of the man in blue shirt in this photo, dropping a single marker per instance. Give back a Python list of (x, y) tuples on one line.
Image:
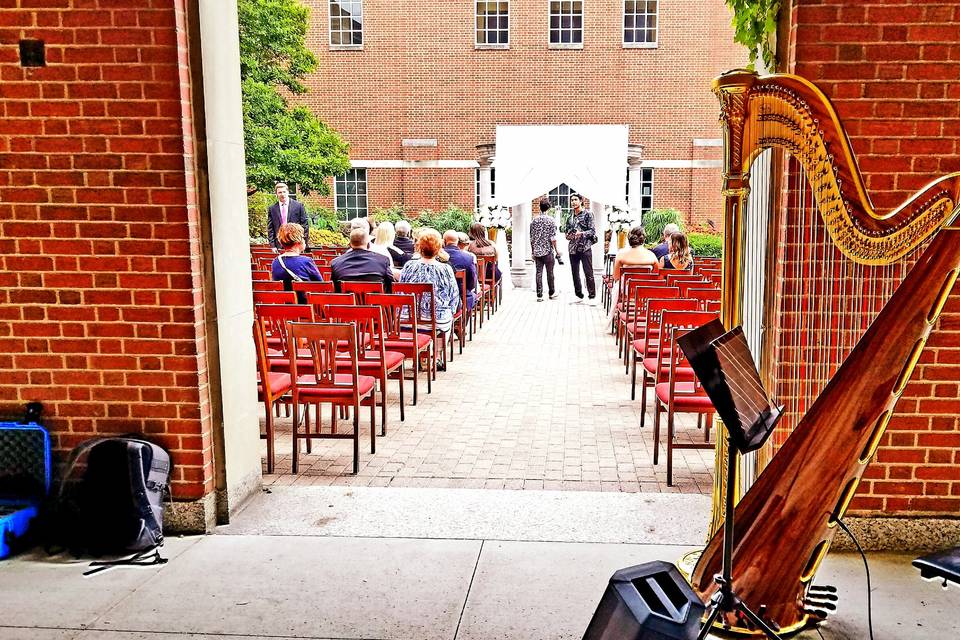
[(462, 260), (663, 248), (359, 263)]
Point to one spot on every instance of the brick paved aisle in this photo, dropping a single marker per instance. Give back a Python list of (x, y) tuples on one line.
[(538, 400)]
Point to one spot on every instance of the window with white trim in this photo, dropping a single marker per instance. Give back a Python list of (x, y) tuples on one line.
[(566, 23), (640, 21), (346, 23), (493, 24), (493, 185), (350, 193), (646, 189)]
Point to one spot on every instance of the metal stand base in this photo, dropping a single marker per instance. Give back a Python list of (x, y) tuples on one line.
[(725, 599)]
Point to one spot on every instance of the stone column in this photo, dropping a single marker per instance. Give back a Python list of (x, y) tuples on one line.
[(519, 271), (485, 153), (634, 177), (600, 220)]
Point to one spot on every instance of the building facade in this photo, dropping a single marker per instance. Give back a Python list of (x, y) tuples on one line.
[(418, 92)]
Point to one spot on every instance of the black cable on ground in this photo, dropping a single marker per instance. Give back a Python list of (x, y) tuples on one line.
[(867, 567)]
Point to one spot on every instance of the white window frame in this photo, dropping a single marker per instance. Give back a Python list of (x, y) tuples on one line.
[(644, 171), (477, 186), (330, 29), (564, 45), (339, 180), (476, 31), (639, 45)]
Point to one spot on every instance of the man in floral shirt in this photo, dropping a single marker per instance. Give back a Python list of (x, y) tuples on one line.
[(543, 242), (581, 233)]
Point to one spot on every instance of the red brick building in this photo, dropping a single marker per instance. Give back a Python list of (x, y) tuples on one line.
[(418, 88), (893, 74)]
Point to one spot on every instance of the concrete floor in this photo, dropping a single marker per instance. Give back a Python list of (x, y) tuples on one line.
[(477, 571)]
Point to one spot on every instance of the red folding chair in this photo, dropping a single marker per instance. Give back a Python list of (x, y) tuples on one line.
[(275, 319), (361, 289), (268, 285), (423, 291), (681, 393), (320, 302), (704, 295), (261, 274), (324, 384), (272, 386), (314, 287), (399, 317), (274, 297), (624, 302), (632, 320), (647, 346), (374, 361)]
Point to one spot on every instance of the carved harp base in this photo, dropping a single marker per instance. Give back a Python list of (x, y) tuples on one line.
[(685, 565)]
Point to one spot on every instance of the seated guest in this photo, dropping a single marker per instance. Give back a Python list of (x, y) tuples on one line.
[(362, 223), (635, 254), (361, 264), (463, 241), (480, 245), (383, 244), (679, 256), (462, 260), (663, 248), (290, 266), (427, 269), (404, 243)]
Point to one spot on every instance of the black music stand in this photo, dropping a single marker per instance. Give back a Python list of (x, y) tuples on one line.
[(723, 364)]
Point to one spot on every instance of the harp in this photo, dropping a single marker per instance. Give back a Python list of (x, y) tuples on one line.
[(856, 294)]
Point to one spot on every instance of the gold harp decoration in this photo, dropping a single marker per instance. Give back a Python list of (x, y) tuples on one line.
[(786, 520)]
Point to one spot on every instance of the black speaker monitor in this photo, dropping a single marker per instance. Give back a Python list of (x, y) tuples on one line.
[(650, 601)]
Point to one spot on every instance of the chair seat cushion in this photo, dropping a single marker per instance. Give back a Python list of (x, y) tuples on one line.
[(364, 384), (280, 383), (684, 397), (682, 373), (641, 346), (406, 340), (392, 360)]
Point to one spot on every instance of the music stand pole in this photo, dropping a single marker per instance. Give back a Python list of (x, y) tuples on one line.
[(725, 599)]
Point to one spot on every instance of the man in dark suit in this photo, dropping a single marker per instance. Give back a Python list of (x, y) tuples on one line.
[(284, 211), (359, 263), (462, 260)]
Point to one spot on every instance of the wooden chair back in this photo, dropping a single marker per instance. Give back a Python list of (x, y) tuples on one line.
[(368, 321), (361, 288), (399, 312), (314, 287), (277, 317), (274, 297), (267, 285), (324, 341), (422, 292), (320, 302)]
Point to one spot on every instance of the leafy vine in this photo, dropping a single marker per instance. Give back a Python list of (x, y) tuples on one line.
[(755, 23)]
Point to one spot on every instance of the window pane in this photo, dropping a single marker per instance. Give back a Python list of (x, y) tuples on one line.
[(554, 22), (578, 22), (628, 36), (554, 7), (504, 37)]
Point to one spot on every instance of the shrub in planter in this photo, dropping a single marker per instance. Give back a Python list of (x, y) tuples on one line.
[(453, 217), (655, 220), (326, 238), (706, 245), (394, 213)]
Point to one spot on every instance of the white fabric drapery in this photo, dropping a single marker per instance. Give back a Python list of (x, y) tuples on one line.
[(532, 160)]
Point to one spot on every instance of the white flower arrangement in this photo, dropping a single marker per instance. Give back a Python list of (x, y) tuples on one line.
[(622, 219), (493, 216)]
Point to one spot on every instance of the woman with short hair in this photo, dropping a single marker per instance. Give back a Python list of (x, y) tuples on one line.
[(426, 268), (383, 243), (290, 266)]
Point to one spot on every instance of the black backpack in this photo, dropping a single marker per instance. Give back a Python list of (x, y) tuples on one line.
[(110, 499)]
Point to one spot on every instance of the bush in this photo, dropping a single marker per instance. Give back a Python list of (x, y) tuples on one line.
[(322, 218), (706, 245), (326, 238), (655, 220), (393, 214), (453, 217), (257, 205)]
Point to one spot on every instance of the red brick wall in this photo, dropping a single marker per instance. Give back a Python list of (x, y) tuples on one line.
[(420, 76), (893, 73), (100, 301)]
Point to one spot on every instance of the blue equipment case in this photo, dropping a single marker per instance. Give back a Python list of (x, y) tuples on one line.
[(24, 479)]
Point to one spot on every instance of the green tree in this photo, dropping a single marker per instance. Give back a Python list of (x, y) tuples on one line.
[(282, 142)]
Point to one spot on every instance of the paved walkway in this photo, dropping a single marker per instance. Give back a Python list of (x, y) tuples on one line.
[(538, 400)]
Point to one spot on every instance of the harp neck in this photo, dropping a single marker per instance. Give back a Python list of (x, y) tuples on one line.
[(763, 112)]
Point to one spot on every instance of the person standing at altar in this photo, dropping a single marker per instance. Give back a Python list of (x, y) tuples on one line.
[(581, 233), (286, 211), (543, 242)]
